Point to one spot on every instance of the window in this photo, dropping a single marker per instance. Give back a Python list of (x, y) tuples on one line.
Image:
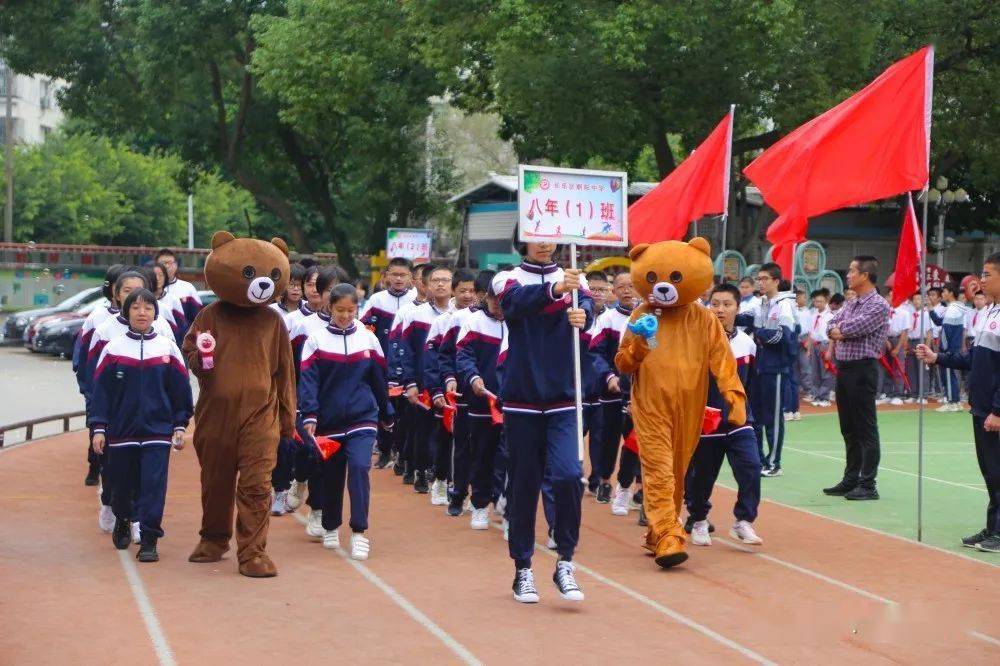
[(46, 131), (44, 93)]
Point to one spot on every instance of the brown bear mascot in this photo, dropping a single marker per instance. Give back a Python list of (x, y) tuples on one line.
[(670, 379), (239, 350)]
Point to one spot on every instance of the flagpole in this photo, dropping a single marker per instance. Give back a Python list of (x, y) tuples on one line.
[(727, 177), (920, 378), (577, 380)]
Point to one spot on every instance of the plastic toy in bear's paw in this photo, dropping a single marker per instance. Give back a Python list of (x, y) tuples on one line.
[(646, 327), (245, 271)]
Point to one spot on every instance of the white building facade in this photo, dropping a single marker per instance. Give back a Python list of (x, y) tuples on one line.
[(35, 109)]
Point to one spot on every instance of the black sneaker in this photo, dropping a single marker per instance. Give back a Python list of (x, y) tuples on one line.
[(524, 587), (772, 471), (455, 506), (840, 489), (93, 476), (408, 475), (637, 498), (420, 483), (593, 487), (642, 516), (689, 525), (397, 467), (384, 460), (990, 544), (862, 493), (565, 580), (121, 535), (971, 541), (147, 550), (604, 493)]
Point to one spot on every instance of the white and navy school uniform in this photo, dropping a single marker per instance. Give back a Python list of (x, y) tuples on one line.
[(439, 439), (822, 379), (738, 444), (448, 369), (342, 389), (478, 348), (804, 318), (413, 358), (777, 341), (608, 331), (914, 367), (187, 294), (81, 346), (111, 329), (538, 395), (380, 310), (952, 338), (141, 395), (173, 312), (293, 317), (406, 415)]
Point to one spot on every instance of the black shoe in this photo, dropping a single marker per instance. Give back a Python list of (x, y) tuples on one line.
[(397, 468), (524, 587), (593, 487), (455, 506), (862, 493), (990, 544), (604, 493), (840, 489), (93, 476), (408, 475), (971, 541), (121, 535), (147, 550), (383, 461), (689, 525), (637, 498), (420, 483), (642, 516), (565, 581)]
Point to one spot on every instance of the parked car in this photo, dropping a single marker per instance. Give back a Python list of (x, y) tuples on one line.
[(47, 332), (32, 329), (13, 332)]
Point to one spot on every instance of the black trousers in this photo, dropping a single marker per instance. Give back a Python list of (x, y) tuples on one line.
[(857, 385), (988, 455)]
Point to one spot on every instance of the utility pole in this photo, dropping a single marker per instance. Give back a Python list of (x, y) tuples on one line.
[(8, 157)]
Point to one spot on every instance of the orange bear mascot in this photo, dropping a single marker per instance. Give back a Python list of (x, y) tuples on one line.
[(670, 379)]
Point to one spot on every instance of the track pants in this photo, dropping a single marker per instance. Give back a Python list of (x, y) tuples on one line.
[(485, 440), (766, 408), (461, 468), (988, 455), (349, 466), (284, 466), (740, 447), (143, 469)]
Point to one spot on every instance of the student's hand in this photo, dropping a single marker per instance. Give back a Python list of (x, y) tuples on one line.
[(451, 386), (577, 317), (439, 402), (97, 443), (412, 395), (925, 354), (178, 440), (992, 423), (570, 281), (479, 387), (614, 384), (310, 428)]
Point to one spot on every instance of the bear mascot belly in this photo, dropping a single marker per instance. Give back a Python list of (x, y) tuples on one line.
[(238, 349), (670, 379)]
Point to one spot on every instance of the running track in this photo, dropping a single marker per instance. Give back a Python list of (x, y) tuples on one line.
[(818, 591)]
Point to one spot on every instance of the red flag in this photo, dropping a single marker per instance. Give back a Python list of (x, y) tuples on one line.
[(699, 186), (906, 277), (783, 254), (631, 442), (874, 144)]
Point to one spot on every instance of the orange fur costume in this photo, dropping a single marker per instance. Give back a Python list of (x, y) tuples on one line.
[(670, 381)]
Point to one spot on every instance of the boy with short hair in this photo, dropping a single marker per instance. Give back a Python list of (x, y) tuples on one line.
[(818, 344), (185, 292)]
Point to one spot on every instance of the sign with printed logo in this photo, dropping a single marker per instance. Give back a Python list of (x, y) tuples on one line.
[(412, 244), (579, 206)]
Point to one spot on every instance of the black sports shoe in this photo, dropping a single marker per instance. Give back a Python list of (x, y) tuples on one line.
[(408, 475), (604, 493), (689, 525), (642, 516), (862, 493), (420, 483), (397, 467), (93, 476), (524, 587), (565, 580), (455, 506), (383, 461), (121, 535), (990, 544), (147, 550), (971, 541), (840, 489)]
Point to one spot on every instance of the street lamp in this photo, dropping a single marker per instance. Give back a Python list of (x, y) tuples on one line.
[(943, 199)]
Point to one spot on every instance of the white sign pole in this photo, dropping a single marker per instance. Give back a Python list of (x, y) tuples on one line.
[(190, 221), (577, 374)]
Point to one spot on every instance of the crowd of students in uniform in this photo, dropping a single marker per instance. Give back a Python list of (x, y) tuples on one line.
[(461, 384)]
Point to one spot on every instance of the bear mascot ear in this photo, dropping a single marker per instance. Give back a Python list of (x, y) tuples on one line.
[(637, 251), (281, 245), (701, 244), (220, 238)]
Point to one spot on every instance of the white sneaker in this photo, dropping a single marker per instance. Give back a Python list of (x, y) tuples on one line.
[(296, 495), (619, 506), (136, 533), (824, 403), (278, 505), (439, 493), (896, 401), (909, 401), (743, 531), (331, 539), (881, 401), (944, 408), (314, 525), (700, 535), (955, 407), (788, 416), (506, 530), (797, 416), (565, 579), (551, 543), (480, 519), (106, 518), (360, 546)]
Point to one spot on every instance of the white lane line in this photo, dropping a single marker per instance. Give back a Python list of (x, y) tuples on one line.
[(657, 606), (984, 638), (883, 468), (898, 537), (463, 653), (808, 572), (156, 636)]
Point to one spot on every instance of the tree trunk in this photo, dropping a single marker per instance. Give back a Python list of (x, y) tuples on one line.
[(281, 208), (665, 162)]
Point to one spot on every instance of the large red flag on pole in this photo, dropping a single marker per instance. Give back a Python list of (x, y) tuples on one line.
[(906, 280), (699, 186), (874, 144)]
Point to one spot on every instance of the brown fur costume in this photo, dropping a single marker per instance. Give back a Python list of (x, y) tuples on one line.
[(670, 382), (247, 400)]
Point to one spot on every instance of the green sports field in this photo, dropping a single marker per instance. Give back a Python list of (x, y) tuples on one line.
[(953, 491)]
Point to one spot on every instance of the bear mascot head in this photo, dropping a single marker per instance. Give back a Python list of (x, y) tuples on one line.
[(671, 273), (245, 271)]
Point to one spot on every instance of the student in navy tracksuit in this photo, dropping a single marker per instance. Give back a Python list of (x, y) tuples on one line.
[(952, 324), (141, 405), (538, 401), (342, 395), (478, 347), (777, 349), (183, 290), (982, 362), (739, 445)]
